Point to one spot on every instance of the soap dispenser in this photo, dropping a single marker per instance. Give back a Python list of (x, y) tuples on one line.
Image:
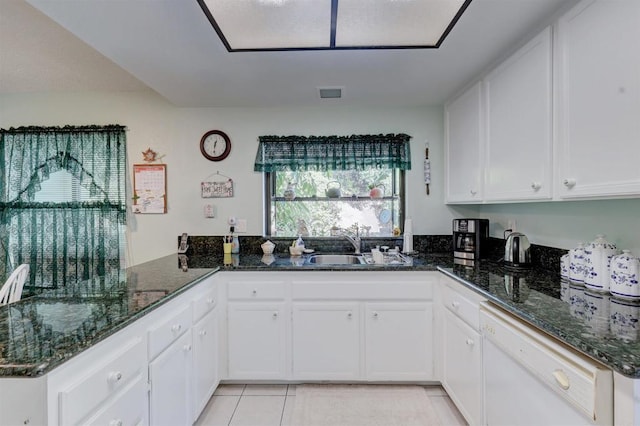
[(235, 247)]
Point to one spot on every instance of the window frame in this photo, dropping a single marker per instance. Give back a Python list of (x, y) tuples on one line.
[(269, 183)]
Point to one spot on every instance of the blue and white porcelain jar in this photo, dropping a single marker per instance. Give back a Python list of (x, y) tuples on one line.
[(576, 264), (597, 260), (624, 276), (564, 266)]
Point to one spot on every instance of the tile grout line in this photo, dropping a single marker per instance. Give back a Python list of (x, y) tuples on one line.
[(236, 407), (286, 392)]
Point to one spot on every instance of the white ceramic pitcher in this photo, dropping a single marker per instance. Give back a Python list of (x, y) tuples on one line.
[(597, 259)]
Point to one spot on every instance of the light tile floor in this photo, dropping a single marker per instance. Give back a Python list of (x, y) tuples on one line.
[(272, 405)]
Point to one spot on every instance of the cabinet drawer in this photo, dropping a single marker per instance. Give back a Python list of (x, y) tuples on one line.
[(205, 303), (127, 409), (101, 383), (356, 289), (169, 330), (264, 290), (463, 307)]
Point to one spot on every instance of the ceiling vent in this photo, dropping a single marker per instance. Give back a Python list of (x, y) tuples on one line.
[(330, 92)]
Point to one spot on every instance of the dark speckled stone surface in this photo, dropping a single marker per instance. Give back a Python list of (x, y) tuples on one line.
[(604, 328), (41, 332)]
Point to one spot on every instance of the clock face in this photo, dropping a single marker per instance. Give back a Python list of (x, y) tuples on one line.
[(215, 145)]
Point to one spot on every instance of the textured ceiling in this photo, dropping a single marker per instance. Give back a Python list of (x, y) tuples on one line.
[(169, 46)]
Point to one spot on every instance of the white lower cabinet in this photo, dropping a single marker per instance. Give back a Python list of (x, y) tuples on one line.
[(313, 325), (169, 375), (463, 367), (399, 342), (462, 375), (114, 374), (256, 340), (128, 409), (326, 341), (205, 360)]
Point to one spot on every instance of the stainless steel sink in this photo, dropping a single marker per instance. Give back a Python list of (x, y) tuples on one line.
[(336, 259)]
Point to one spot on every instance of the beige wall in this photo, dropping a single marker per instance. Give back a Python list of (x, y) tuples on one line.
[(175, 134)]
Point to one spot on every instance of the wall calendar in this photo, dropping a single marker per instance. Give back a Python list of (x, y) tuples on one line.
[(150, 188)]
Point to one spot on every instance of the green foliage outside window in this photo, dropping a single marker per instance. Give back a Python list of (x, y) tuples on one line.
[(313, 213)]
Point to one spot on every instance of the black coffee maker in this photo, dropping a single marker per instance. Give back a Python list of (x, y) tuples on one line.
[(470, 239)]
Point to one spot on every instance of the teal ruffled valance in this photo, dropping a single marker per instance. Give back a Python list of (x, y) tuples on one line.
[(94, 155), (355, 152)]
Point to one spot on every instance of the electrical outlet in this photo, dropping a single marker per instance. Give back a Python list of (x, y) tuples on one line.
[(241, 225)]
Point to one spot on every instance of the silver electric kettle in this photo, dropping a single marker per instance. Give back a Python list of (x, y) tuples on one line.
[(517, 251)]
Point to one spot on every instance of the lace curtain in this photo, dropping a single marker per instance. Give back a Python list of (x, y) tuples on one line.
[(355, 152), (79, 238)]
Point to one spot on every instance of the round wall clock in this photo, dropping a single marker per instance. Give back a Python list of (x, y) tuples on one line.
[(215, 145)]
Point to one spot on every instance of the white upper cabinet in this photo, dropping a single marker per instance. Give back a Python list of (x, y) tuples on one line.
[(518, 96), (463, 147), (598, 80)]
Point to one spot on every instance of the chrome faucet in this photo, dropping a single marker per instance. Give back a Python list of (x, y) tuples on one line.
[(355, 240)]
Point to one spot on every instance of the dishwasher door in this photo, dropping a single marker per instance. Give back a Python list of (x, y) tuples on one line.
[(532, 379)]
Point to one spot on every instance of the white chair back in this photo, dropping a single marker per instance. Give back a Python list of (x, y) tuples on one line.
[(11, 291)]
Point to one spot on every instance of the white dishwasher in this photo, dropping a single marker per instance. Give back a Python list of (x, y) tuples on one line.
[(532, 379)]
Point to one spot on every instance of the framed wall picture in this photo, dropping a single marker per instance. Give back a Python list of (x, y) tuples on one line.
[(150, 188)]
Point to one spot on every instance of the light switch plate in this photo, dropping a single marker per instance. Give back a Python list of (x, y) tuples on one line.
[(241, 225), (209, 211)]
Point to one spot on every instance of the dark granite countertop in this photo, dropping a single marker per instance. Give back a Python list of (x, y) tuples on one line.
[(41, 332), (596, 324)]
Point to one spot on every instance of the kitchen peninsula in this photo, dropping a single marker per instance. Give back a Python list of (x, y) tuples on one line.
[(36, 353)]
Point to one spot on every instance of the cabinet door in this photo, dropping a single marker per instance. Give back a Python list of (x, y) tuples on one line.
[(205, 361), (462, 367), (326, 341), (599, 99), (399, 341), (127, 409), (464, 147), (256, 340), (169, 375), (519, 134)]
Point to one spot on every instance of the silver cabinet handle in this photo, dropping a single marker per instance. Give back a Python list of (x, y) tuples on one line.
[(186, 348), (176, 327), (210, 300), (275, 314), (536, 186), (115, 422), (375, 315), (473, 192), (349, 314), (569, 183), (203, 333), (455, 305), (254, 291), (470, 342)]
